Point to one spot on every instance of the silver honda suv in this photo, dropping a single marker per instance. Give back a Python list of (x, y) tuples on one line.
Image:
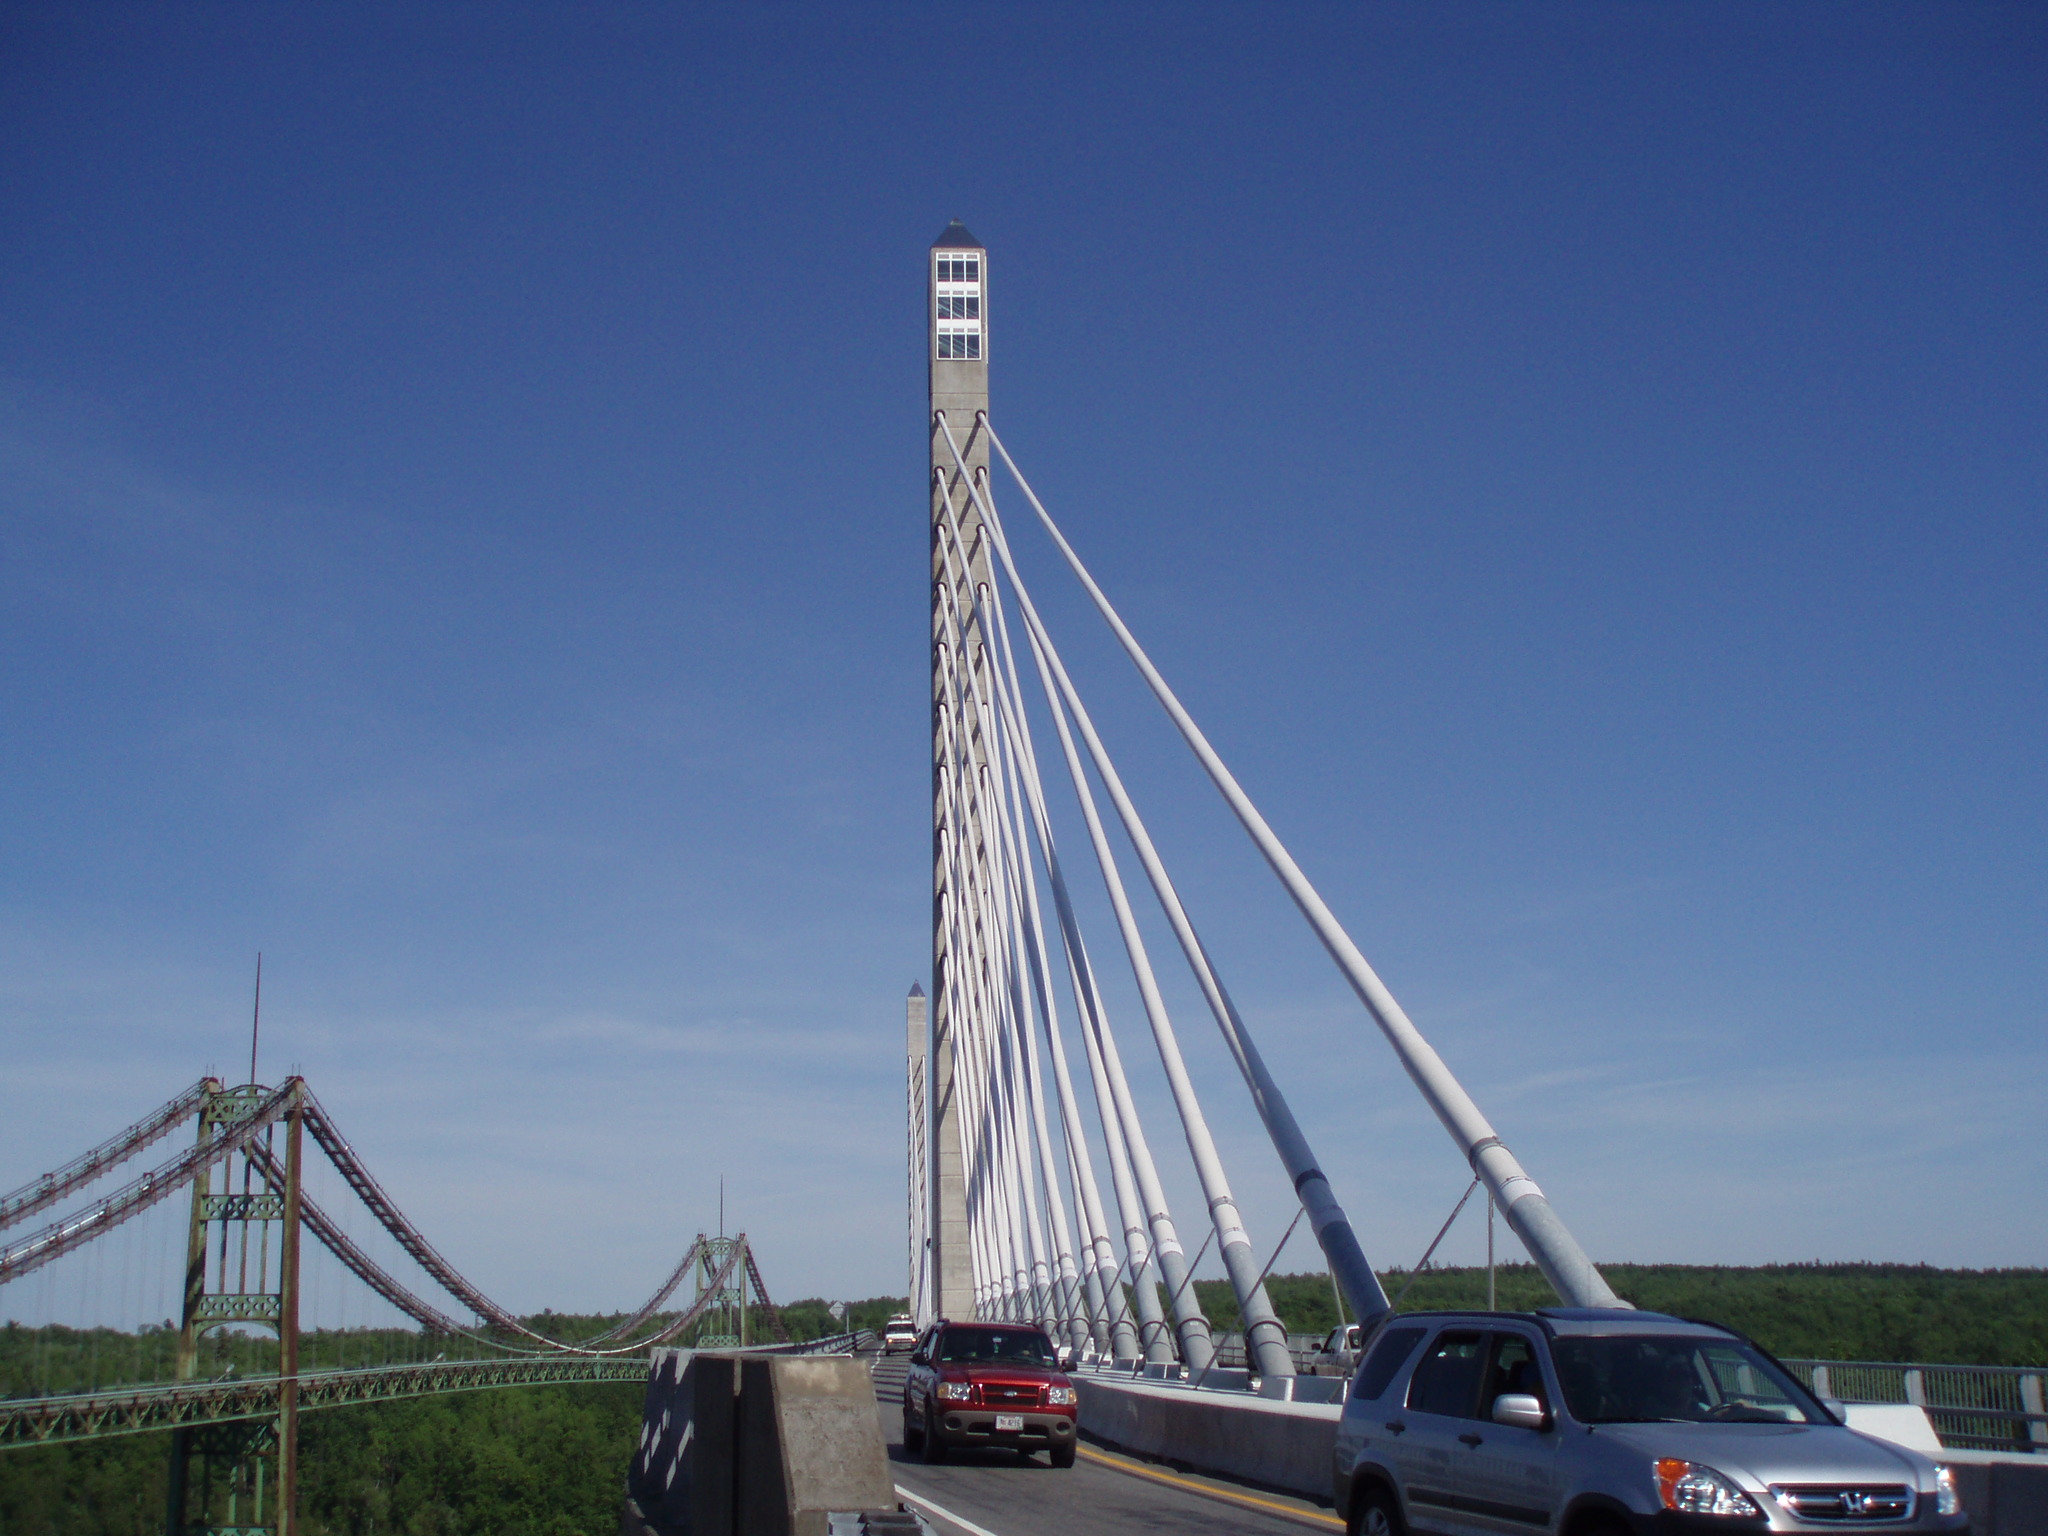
[(1583, 1422)]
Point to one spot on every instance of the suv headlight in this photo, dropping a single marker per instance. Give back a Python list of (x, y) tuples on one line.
[(956, 1391), (1693, 1489), (1064, 1397), (1946, 1500)]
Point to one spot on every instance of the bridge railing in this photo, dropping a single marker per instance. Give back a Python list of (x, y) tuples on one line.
[(1972, 1407), (831, 1344), (1230, 1350), (175, 1405)]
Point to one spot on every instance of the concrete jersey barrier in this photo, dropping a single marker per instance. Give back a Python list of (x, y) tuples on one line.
[(1286, 1446), (767, 1446)]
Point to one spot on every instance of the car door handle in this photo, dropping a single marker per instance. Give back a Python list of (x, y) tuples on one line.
[(1397, 1426), (1473, 1439)]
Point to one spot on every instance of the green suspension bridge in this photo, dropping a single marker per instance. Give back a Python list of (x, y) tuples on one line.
[(230, 1376)]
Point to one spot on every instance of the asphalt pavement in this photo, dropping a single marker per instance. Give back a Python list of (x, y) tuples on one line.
[(993, 1493)]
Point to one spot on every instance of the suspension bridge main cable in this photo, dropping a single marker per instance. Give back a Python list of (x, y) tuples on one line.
[(653, 1303), (246, 1136), (138, 1195), (410, 1238), (774, 1312), (366, 1269), (40, 1194)]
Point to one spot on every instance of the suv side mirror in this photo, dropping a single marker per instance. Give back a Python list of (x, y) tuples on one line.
[(1520, 1410)]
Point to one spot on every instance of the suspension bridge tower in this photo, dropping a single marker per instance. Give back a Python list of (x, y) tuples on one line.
[(957, 346)]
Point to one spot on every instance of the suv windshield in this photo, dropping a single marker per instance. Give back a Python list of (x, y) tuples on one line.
[(1009, 1345), (1636, 1380)]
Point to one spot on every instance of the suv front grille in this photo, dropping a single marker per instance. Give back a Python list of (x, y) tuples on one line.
[(1008, 1396), (1858, 1502)]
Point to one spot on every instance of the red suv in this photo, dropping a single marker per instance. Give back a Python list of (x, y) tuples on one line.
[(988, 1384)]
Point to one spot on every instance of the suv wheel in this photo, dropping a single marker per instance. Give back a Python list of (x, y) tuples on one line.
[(913, 1434), (1373, 1514), (934, 1447), (1062, 1455)]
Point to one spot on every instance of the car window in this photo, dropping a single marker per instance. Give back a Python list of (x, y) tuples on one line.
[(1447, 1380), (1011, 1346), (1640, 1378), (1389, 1353), (1513, 1369)]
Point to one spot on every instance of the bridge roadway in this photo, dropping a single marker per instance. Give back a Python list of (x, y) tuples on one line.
[(992, 1493)]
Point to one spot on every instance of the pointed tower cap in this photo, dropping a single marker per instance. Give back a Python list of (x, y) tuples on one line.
[(916, 990), (955, 237)]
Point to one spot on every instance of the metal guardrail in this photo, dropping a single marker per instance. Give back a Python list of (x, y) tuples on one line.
[(831, 1344), (1972, 1407), (1230, 1350)]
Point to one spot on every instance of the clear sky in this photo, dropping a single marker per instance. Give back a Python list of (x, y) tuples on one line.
[(462, 534)]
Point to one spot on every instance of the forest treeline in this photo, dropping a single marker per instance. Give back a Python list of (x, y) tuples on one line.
[(1796, 1311), (551, 1461)]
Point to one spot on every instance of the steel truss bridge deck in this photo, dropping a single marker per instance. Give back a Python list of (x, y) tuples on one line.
[(139, 1410)]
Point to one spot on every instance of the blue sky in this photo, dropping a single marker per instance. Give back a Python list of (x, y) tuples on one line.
[(461, 533)]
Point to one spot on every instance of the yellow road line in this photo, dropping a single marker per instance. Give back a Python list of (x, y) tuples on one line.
[(1229, 1496)]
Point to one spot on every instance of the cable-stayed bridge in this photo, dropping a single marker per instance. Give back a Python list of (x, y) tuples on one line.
[(1008, 1217)]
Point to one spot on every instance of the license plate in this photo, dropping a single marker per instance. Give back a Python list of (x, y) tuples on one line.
[(1009, 1421)]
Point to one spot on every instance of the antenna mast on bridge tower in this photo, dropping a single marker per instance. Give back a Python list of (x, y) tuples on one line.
[(957, 345)]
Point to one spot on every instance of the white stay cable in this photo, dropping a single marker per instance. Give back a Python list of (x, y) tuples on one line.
[(994, 1171), (964, 989), (1312, 1188), (1549, 1242), (1010, 1026), (998, 998), (1086, 1314), (1112, 1097), (1265, 1336), (1172, 1260), (1140, 1202), (1113, 1089), (1563, 1262), (964, 984), (1104, 1266), (1064, 1301), (1103, 1288), (1269, 1345), (1024, 935), (997, 1164), (955, 986), (1030, 1112)]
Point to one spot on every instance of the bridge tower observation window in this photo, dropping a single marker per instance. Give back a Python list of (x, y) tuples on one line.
[(959, 301)]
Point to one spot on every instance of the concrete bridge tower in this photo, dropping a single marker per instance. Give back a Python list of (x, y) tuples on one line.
[(957, 346)]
